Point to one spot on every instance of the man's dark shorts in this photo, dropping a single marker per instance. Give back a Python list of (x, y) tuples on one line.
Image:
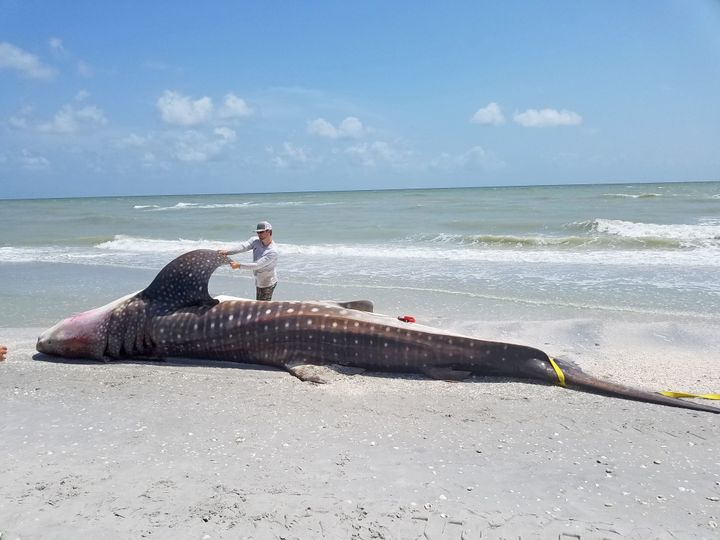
[(264, 293)]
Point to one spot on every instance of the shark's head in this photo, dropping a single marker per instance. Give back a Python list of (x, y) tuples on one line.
[(84, 335), (111, 331)]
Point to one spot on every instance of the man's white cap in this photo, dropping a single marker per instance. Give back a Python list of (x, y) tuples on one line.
[(263, 226)]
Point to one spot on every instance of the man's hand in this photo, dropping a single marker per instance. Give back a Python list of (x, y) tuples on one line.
[(234, 265)]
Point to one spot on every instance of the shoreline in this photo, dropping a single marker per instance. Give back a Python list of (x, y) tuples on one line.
[(208, 450), (46, 298)]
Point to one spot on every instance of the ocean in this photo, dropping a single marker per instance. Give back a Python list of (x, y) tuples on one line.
[(443, 255)]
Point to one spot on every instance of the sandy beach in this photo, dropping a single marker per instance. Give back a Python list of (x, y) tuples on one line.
[(208, 450)]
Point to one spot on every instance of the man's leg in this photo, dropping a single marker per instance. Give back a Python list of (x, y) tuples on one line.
[(264, 293)]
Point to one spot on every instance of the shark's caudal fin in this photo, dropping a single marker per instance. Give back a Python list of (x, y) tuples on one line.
[(184, 281), (575, 378)]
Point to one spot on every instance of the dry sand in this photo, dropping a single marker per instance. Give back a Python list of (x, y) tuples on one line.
[(205, 450)]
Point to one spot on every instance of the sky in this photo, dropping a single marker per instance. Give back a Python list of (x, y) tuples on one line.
[(174, 97)]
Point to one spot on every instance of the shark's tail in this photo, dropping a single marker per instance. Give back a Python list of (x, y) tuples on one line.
[(577, 379)]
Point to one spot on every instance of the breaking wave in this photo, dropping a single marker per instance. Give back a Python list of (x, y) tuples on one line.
[(594, 234), (213, 206), (705, 234), (631, 195)]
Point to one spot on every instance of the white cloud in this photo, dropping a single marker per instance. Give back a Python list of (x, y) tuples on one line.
[(377, 153), (290, 155), (196, 146), (226, 133), (323, 128), (91, 115), (154, 65), (57, 48), (85, 69), (182, 110), (476, 156), (489, 115), (132, 140), (295, 152), (61, 53), (31, 162), (187, 152), (547, 118), (151, 162), (350, 127), (189, 145), (18, 122), (12, 57), (71, 120), (21, 119), (234, 107), (82, 95)]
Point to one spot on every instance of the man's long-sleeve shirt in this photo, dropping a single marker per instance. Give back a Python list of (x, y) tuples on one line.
[(264, 260)]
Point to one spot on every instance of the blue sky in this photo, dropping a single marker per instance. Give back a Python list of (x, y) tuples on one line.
[(125, 98)]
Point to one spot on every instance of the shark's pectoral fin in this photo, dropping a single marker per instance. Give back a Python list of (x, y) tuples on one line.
[(307, 372), (319, 374), (346, 370), (446, 374)]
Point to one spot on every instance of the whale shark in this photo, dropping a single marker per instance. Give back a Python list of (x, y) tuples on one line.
[(175, 317)]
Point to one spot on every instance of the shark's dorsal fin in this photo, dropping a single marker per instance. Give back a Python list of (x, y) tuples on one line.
[(184, 280)]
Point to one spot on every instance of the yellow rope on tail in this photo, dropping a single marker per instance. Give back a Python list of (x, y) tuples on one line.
[(558, 371), (683, 394)]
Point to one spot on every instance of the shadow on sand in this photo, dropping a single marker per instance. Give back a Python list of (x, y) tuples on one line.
[(176, 362)]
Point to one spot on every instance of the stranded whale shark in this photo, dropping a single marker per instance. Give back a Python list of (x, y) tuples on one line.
[(175, 316)]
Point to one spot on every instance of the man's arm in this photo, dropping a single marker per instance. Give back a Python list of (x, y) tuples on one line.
[(239, 248), (269, 259)]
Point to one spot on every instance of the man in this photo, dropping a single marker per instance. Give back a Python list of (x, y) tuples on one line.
[(265, 256)]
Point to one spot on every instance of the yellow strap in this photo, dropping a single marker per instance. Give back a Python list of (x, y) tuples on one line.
[(683, 394), (561, 381), (558, 371)]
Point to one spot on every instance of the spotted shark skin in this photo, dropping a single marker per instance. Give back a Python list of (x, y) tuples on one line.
[(175, 316)]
